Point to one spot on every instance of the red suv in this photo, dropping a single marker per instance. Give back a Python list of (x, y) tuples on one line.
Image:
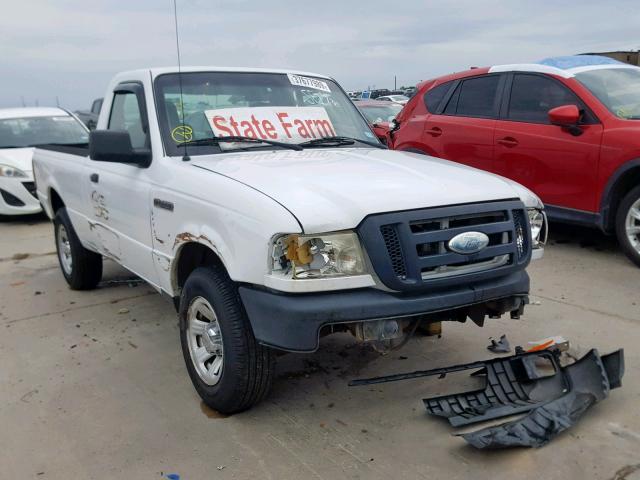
[(568, 128)]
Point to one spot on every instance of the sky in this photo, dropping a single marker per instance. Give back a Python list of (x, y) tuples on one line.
[(69, 49)]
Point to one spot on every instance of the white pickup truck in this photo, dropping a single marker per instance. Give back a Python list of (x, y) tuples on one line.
[(261, 202)]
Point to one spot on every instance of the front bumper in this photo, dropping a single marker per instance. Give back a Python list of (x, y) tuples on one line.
[(18, 197), (293, 321)]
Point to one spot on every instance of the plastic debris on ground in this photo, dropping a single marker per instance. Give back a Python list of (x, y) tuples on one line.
[(499, 346), (557, 341), (552, 397)]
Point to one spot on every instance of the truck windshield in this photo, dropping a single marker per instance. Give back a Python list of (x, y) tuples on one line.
[(32, 131), (271, 106), (617, 88)]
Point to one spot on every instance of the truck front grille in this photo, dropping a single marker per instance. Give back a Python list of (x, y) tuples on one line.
[(410, 250)]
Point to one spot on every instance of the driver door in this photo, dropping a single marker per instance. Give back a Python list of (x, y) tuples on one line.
[(120, 192)]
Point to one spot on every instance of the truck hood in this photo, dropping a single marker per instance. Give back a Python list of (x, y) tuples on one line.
[(17, 158), (334, 189)]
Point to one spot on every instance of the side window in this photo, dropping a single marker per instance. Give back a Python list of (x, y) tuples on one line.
[(434, 96), (95, 107), (477, 97), (450, 109), (125, 115), (532, 96)]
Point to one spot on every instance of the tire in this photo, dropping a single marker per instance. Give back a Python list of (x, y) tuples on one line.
[(82, 268), (628, 225), (243, 374)]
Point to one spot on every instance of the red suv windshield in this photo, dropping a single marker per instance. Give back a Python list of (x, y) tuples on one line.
[(617, 88)]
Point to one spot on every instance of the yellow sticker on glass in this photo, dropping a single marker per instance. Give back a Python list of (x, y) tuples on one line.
[(182, 134)]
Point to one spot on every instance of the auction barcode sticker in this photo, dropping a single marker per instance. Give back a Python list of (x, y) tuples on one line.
[(308, 82)]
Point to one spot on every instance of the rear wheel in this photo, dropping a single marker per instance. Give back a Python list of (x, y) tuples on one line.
[(228, 368), (82, 268), (628, 225)]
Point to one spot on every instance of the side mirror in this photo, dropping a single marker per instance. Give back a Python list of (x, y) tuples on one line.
[(115, 146), (566, 116)]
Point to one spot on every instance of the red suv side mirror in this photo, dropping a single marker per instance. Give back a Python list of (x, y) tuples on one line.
[(564, 115), (567, 116)]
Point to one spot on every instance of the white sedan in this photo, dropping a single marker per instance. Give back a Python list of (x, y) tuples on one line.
[(22, 129), (401, 99)]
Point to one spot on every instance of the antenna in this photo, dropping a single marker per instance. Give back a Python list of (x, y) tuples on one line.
[(185, 157)]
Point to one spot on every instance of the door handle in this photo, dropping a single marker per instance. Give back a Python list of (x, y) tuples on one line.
[(508, 142), (94, 177), (435, 131)]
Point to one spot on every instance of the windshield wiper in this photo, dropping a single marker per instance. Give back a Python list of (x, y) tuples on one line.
[(337, 141), (239, 138)]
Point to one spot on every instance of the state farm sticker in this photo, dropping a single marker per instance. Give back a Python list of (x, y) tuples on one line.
[(283, 124), (309, 82)]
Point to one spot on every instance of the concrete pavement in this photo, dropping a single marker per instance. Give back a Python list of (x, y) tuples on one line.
[(93, 384)]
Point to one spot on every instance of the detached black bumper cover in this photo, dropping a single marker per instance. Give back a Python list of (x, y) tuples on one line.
[(554, 400), (590, 380), (293, 321)]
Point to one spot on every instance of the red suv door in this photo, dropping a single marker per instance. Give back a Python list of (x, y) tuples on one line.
[(559, 167), (463, 130)]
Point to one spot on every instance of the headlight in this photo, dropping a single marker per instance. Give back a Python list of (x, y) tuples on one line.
[(537, 223), (12, 172), (317, 256)]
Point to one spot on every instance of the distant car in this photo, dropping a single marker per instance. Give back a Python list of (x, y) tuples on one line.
[(410, 92), (373, 94), (90, 117), (379, 115), (21, 129), (401, 99), (566, 127)]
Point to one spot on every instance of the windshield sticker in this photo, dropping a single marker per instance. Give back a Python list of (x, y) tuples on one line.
[(182, 134), (369, 134), (283, 124), (309, 82)]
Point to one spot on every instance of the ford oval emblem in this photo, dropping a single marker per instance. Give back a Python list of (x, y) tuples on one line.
[(468, 242)]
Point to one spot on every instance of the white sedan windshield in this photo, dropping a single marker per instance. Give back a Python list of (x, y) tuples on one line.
[(32, 131)]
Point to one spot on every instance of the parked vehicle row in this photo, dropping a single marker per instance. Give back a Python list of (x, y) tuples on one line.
[(262, 203), (379, 114), (567, 128), (22, 129)]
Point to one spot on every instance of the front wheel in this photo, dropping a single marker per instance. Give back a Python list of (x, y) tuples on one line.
[(628, 225), (82, 268), (228, 368)]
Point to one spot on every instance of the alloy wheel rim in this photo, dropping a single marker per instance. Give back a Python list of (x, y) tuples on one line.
[(204, 339), (632, 225), (64, 250)]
